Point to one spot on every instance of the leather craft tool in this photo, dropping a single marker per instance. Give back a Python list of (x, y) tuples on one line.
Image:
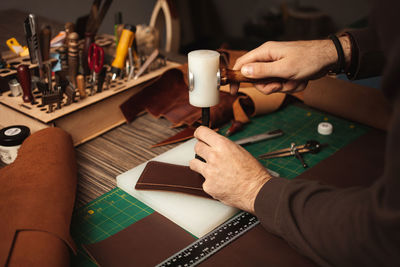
[(147, 63), (95, 63), (94, 21), (101, 79), (203, 89), (125, 41), (310, 146), (63, 58), (259, 137), (208, 245), (44, 39), (32, 39), (224, 76), (80, 81), (24, 77), (131, 64), (73, 52), (18, 49), (117, 21)]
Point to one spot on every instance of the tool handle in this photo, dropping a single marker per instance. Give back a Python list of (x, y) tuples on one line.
[(89, 39), (45, 38), (80, 81), (235, 76), (73, 62), (95, 58), (125, 41), (24, 78)]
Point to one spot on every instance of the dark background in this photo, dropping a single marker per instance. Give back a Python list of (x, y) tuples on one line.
[(235, 24)]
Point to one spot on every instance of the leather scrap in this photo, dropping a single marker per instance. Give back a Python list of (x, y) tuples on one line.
[(349, 100), (183, 135), (171, 177), (168, 97), (37, 197), (144, 243)]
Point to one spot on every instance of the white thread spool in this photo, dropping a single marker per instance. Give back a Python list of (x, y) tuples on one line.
[(11, 139), (203, 70)]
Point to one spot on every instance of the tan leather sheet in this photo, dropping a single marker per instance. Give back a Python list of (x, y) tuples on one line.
[(37, 196), (348, 100)]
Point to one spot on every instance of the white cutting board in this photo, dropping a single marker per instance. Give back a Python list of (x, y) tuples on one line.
[(196, 215)]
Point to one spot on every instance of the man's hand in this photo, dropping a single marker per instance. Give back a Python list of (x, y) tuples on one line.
[(298, 62), (232, 175)]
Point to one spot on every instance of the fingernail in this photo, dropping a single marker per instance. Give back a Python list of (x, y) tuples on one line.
[(247, 70)]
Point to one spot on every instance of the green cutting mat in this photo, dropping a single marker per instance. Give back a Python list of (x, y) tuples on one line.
[(299, 125), (103, 217), (116, 209)]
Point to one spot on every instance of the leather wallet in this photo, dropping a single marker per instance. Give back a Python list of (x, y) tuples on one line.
[(170, 177)]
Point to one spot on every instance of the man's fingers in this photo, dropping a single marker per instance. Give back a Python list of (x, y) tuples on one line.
[(255, 55), (197, 166), (202, 149), (207, 135), (269, 88), (259, 70)]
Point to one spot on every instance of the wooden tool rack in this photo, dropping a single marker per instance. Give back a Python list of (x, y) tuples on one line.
[(84, 118)]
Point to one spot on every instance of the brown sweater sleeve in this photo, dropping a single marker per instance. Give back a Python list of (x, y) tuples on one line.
[(357, 226), (367, 56)]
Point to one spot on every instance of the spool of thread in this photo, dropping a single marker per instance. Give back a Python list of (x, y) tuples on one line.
[(203, 67), (15, 87), (325, 128), (11, 139)]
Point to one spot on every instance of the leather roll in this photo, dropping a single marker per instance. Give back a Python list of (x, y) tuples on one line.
[(37, 200)]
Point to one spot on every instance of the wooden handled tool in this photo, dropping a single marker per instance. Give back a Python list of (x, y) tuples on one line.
[(45, 37), (63, 58), (80, 81), (24, 78), (73, 53), (235, 76)]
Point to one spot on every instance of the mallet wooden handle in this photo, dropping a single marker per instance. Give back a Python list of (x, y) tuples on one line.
[(235, 76)]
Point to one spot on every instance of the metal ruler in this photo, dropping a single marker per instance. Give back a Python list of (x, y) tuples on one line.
[(214, 241)]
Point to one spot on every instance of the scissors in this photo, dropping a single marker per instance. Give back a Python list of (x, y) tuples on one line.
[(95, 62)]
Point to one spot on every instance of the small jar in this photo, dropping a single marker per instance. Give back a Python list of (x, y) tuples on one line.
[(11, 139)]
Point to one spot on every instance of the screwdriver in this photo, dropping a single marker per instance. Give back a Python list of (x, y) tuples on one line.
[(125, 41)]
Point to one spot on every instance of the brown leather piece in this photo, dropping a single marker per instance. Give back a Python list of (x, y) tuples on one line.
[(351, 101), (168, 97), (170, 177), (37, 196), (257, 247), (185, 134), (144, 243), (27, 252)]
